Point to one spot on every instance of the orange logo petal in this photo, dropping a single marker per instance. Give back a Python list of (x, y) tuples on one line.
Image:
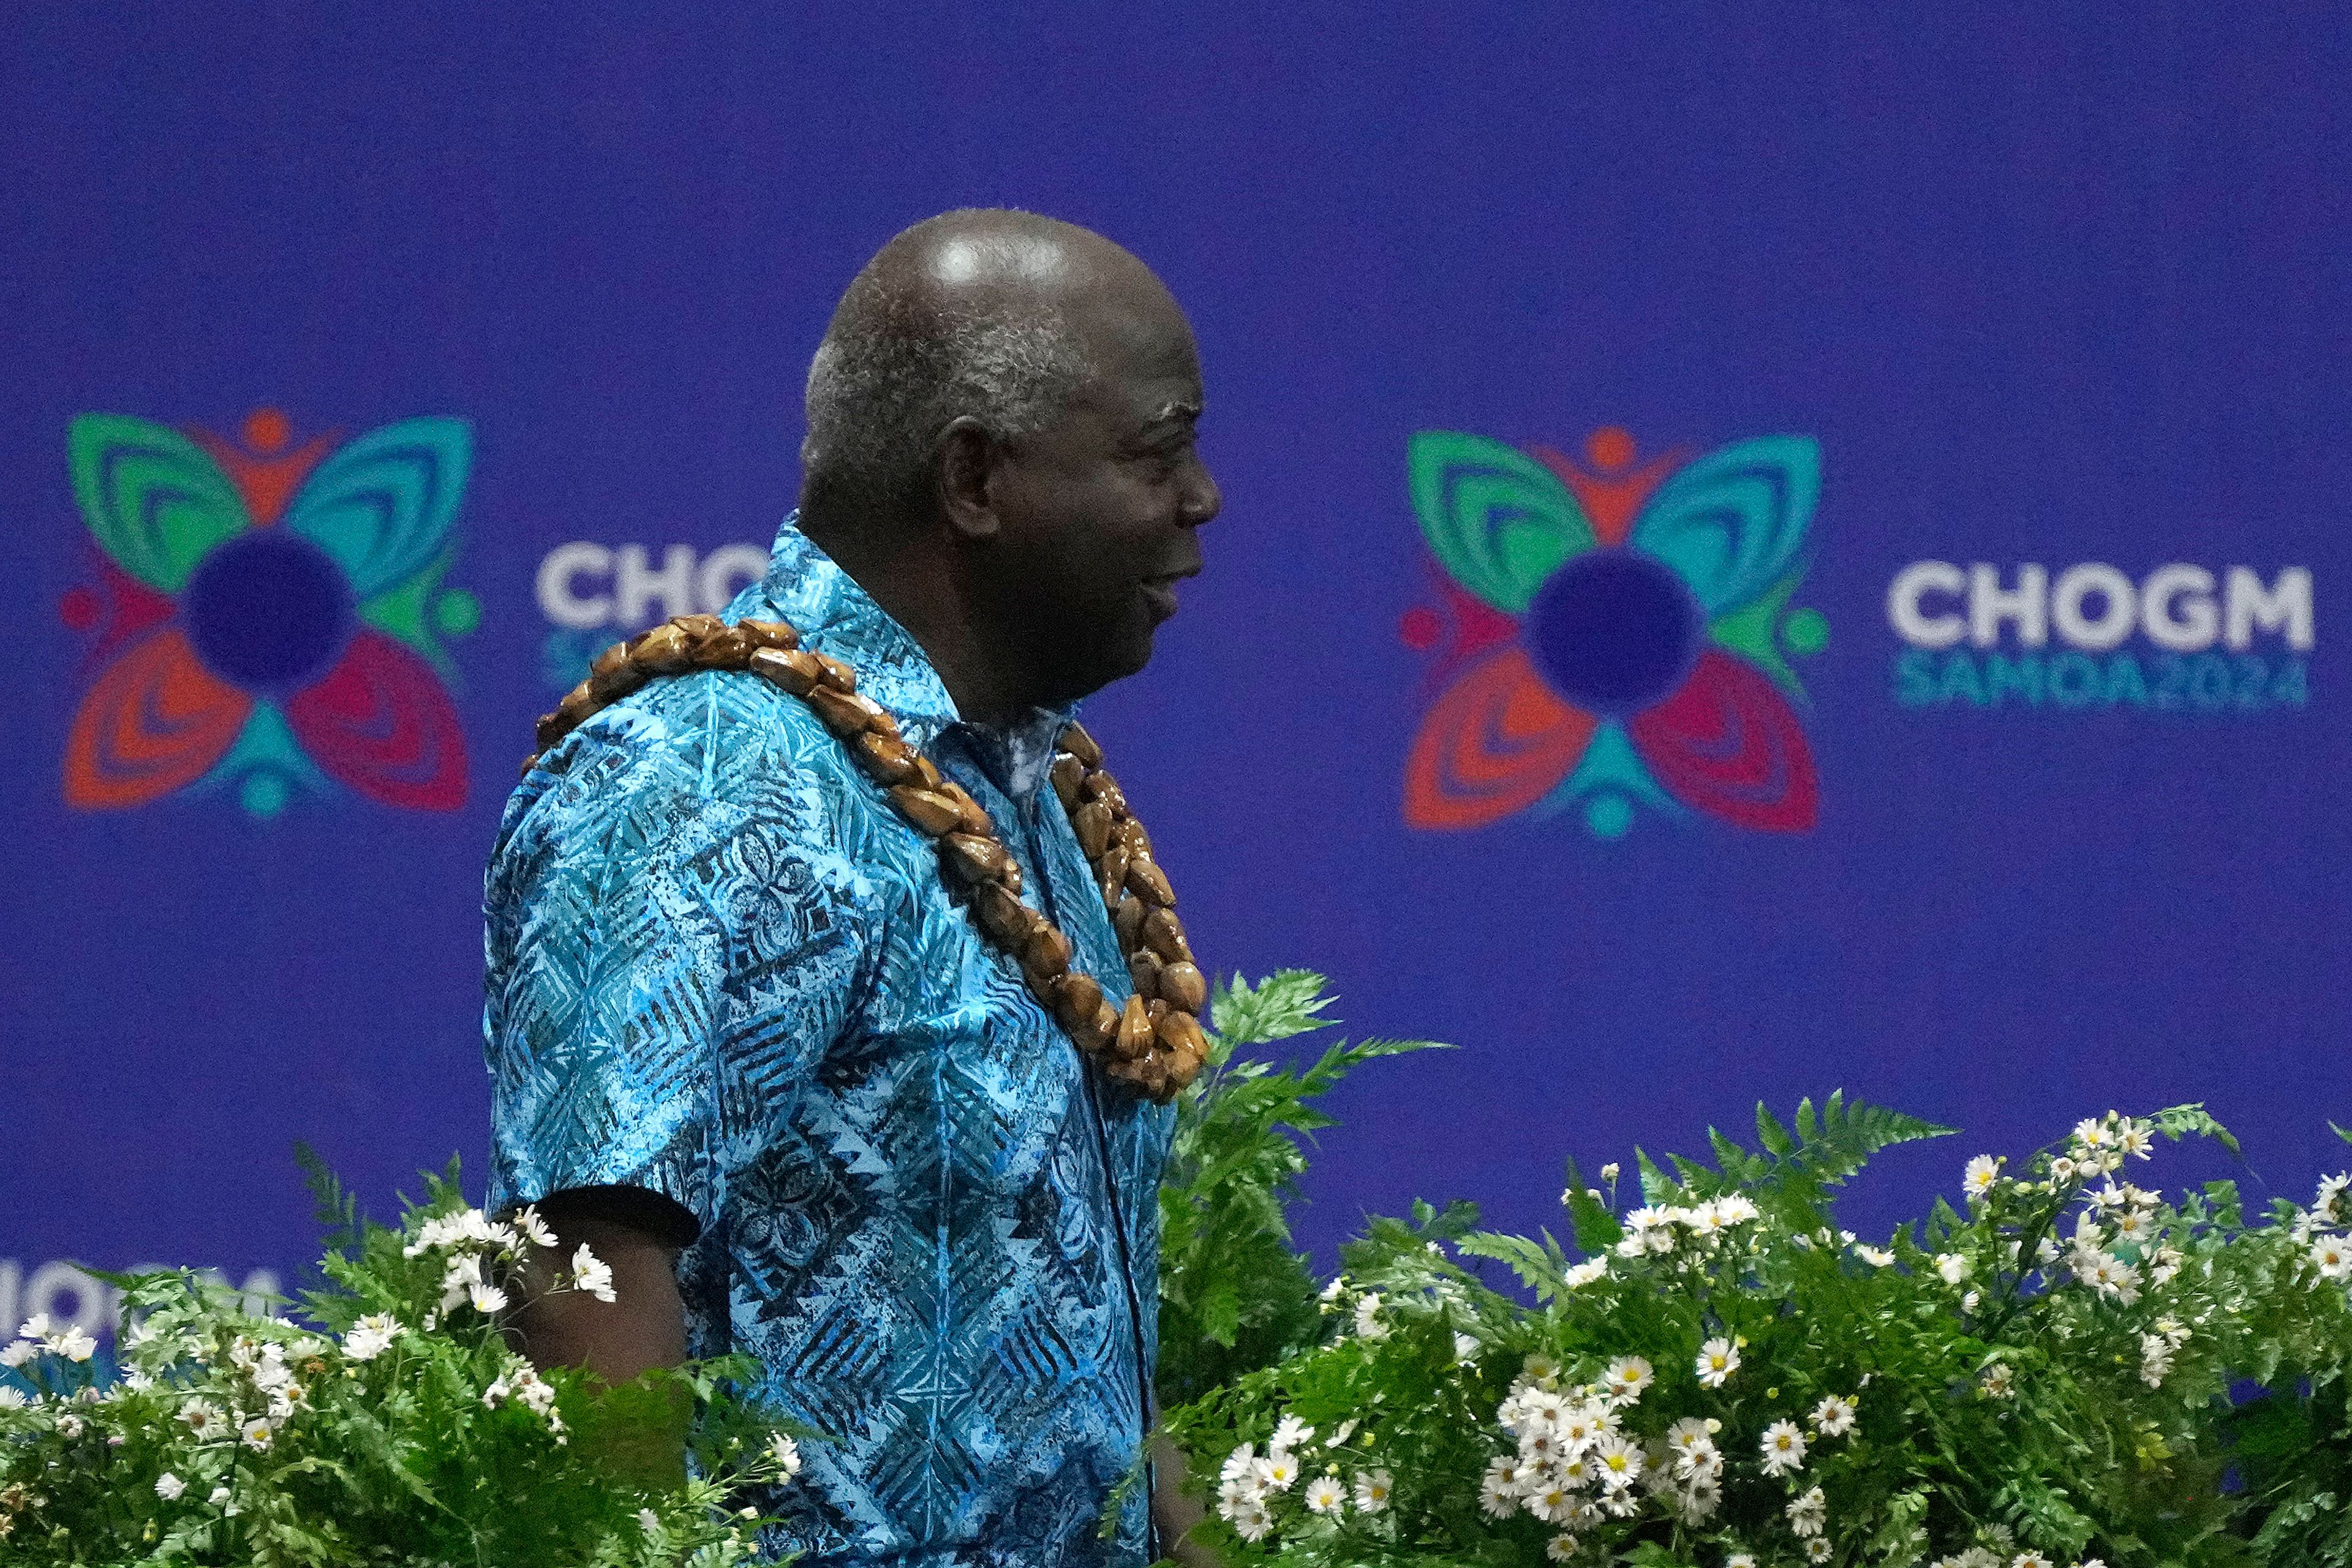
[(1496, 742), (155, 722)]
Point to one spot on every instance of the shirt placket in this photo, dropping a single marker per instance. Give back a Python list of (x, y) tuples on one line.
[(1030, 848)]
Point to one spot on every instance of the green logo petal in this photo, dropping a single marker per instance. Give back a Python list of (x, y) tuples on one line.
[(153, 500), (1498, 521)]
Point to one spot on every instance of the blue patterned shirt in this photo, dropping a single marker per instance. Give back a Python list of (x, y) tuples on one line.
[(724, 970)]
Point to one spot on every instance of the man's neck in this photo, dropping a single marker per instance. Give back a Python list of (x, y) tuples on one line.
[(916, 588)]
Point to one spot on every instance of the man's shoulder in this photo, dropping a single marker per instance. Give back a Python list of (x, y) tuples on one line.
[(713, 753)]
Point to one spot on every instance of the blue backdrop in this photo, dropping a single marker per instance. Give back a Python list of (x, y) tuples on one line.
[(2024, 286)]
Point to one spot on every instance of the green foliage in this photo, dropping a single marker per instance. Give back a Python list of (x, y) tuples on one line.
[(1235, 1295), (2040, 1376), (393, 1424)]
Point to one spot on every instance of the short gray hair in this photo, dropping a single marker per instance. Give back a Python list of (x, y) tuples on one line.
[(893, 372)]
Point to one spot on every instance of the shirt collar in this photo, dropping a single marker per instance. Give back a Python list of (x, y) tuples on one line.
[(808, 588)]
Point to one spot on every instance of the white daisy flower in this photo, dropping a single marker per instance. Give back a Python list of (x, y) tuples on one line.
[(1981, 1176), (1372, 1490), (1951, 1268), (1252, 1521), (1289, 1434), (487, 1299), (1368, 1317), (1817, 1549), (786, 1454), (1618, 1461), (1689, 1435), (464, 1273), (1628, 1377), (257, 1433), (2332, 1256), (1550, 1501), (592, 1275), (370, 1336), (169, 1487), (1997, 1381), (2331, 1188), (1783, 1448), (2028, 1560), (1577, 1276), (1737, 1208), (1835, 1417), (1238, 1464), (1579, 1426), (531, 1228), (1809, 1513), (1325, 1495), (1542, 1408), (1499, 1497), (16, 1352), (1718, 1360), (1740, 1560), (1561, 1547)]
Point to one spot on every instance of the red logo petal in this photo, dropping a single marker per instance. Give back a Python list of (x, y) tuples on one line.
[(379, 722), (1496, 742), (155, 722), (1726, 743)]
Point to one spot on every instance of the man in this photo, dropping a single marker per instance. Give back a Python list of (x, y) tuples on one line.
[(744, 1044)]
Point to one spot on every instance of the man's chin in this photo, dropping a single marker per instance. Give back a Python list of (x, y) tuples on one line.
[(1113, 662)]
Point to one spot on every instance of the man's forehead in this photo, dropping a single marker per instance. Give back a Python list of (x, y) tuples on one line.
[(1145, 347)]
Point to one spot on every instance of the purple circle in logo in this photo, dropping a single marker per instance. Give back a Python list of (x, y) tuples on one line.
[(1614, 631), (268, 611)]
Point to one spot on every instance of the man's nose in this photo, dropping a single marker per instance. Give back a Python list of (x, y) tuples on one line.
[(1202, 500)]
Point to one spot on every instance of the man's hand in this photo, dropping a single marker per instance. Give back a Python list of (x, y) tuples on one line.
[(1174, 1513)]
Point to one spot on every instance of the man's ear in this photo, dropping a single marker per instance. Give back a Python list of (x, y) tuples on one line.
[(965, 460)]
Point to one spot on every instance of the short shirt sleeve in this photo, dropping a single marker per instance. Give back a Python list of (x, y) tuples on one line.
[(673, 941)]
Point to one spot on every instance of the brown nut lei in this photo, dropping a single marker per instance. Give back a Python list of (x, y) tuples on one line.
[(1154, 1043)]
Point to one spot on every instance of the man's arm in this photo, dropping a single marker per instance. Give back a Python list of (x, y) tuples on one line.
[(644, 1326), (640, 1328)]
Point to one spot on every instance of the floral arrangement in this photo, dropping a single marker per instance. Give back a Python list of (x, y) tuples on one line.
[(395, 1425), (1234, 1294), (2040, 1377)]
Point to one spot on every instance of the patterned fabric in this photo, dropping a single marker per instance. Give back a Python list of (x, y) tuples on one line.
[(722, 969)]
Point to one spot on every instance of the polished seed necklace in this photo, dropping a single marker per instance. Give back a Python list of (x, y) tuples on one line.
[(1154, 1042)]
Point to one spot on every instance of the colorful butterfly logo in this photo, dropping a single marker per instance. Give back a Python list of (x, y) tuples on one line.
[(268, 617), (1616, 632)]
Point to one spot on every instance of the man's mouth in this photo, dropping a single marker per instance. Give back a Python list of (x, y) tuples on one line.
[(1160, 592)]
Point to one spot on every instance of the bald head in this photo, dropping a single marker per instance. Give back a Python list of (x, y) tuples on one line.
[(985, 315), (1001, 450)]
